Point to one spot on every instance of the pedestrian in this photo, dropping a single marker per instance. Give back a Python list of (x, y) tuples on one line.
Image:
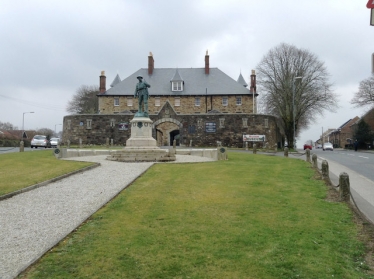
[(356, 145)]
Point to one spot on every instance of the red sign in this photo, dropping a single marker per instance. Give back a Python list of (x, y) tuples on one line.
[(370, 4)]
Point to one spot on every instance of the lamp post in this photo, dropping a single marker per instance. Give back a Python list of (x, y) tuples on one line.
[(23, 122), (293, 110), (55, 128)]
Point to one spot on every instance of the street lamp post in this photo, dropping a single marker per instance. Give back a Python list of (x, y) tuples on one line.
[(23, 122), (55, 128), (293, 110)]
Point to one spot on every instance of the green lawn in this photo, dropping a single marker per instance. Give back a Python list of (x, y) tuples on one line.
[(253, 216), (22, 169)]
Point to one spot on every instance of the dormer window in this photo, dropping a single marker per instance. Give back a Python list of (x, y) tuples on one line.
[(177, 85), (177, 82)]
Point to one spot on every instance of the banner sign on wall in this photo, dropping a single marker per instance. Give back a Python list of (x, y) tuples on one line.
[(210, 127), (253, 137), (123, 126)]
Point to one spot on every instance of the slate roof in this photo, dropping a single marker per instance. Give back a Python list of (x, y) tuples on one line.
[(242, 81), (196, 82), (116, 80)]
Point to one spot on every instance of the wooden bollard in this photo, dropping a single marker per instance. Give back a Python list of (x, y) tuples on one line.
[(286, 152), (254, 148), (21, 146), (314, 161), (344, 187), (325, 170), (307, 155)]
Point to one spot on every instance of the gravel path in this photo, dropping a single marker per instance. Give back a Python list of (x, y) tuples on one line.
[(31, 223)]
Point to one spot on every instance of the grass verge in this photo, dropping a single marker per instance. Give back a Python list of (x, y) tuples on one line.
[(22, 169), (250, 217)]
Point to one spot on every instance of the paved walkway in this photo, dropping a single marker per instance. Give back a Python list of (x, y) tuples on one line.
[(33, 222)]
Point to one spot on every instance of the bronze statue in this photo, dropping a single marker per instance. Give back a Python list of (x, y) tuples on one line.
[(141, 92)]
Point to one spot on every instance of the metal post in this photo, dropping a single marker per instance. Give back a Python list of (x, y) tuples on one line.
[(23, 122), (293, 110)]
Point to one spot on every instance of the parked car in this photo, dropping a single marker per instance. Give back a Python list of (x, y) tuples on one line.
[(319, 146), (328, 146), (308, 145), (40, 141), (54, 142)]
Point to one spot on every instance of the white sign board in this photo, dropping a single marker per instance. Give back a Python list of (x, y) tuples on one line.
[(253, 137)]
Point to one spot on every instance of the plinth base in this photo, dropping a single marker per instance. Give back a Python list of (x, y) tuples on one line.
[(141, 146)]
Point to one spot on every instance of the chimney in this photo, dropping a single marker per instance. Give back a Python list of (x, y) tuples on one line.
[(206, 63), (151, 64), (253, 82), (102, 88)]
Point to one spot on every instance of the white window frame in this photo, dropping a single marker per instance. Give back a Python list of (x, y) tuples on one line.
[(89, 123), (116, 101), (197, 101), (222, 122), (129, 101), (225, 101), (177, 101), (238, 100), (157, 102), (177, 85), (266, 124)]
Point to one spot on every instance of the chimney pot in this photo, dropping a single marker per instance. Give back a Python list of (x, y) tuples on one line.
[(207, 63), (102, 88), (151, 64)]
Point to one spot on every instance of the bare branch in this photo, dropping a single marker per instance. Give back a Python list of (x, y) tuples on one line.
[(312, 94), (365, 94)]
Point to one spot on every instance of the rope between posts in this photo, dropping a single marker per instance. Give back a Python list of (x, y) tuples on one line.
[(354, 202)]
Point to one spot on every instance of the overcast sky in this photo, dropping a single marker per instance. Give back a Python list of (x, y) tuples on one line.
[(50, 48)]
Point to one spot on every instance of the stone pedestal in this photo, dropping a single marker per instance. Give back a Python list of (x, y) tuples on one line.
[(141, 146)]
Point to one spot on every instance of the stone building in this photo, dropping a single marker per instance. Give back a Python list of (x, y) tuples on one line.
[(197, 106)]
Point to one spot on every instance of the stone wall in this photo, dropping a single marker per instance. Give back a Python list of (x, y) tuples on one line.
[(186, 104), (201, 129)]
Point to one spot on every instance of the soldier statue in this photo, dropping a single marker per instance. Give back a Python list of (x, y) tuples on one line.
[(141, 92)]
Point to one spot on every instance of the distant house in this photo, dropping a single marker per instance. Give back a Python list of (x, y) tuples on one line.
[(194, 106), (343, 136)]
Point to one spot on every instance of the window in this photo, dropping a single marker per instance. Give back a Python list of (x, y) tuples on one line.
[(69, 124), (116, 101), (225, 101), (222, 122), (197, 102), (266, 124), (157, 101), (177, 86), (89, 123), (177, 101), (112, 122), (238, 100), (245, 122), (129, 101)]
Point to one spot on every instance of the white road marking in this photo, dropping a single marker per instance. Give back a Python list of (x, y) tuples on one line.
[(363, 157)]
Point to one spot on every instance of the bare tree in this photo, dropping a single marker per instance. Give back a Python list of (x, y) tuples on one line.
[(46, 132), (84, 100), (294, 86), (365, 94), (7, 126)]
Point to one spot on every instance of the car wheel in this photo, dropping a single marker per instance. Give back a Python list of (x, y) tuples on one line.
[(36, 147)]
